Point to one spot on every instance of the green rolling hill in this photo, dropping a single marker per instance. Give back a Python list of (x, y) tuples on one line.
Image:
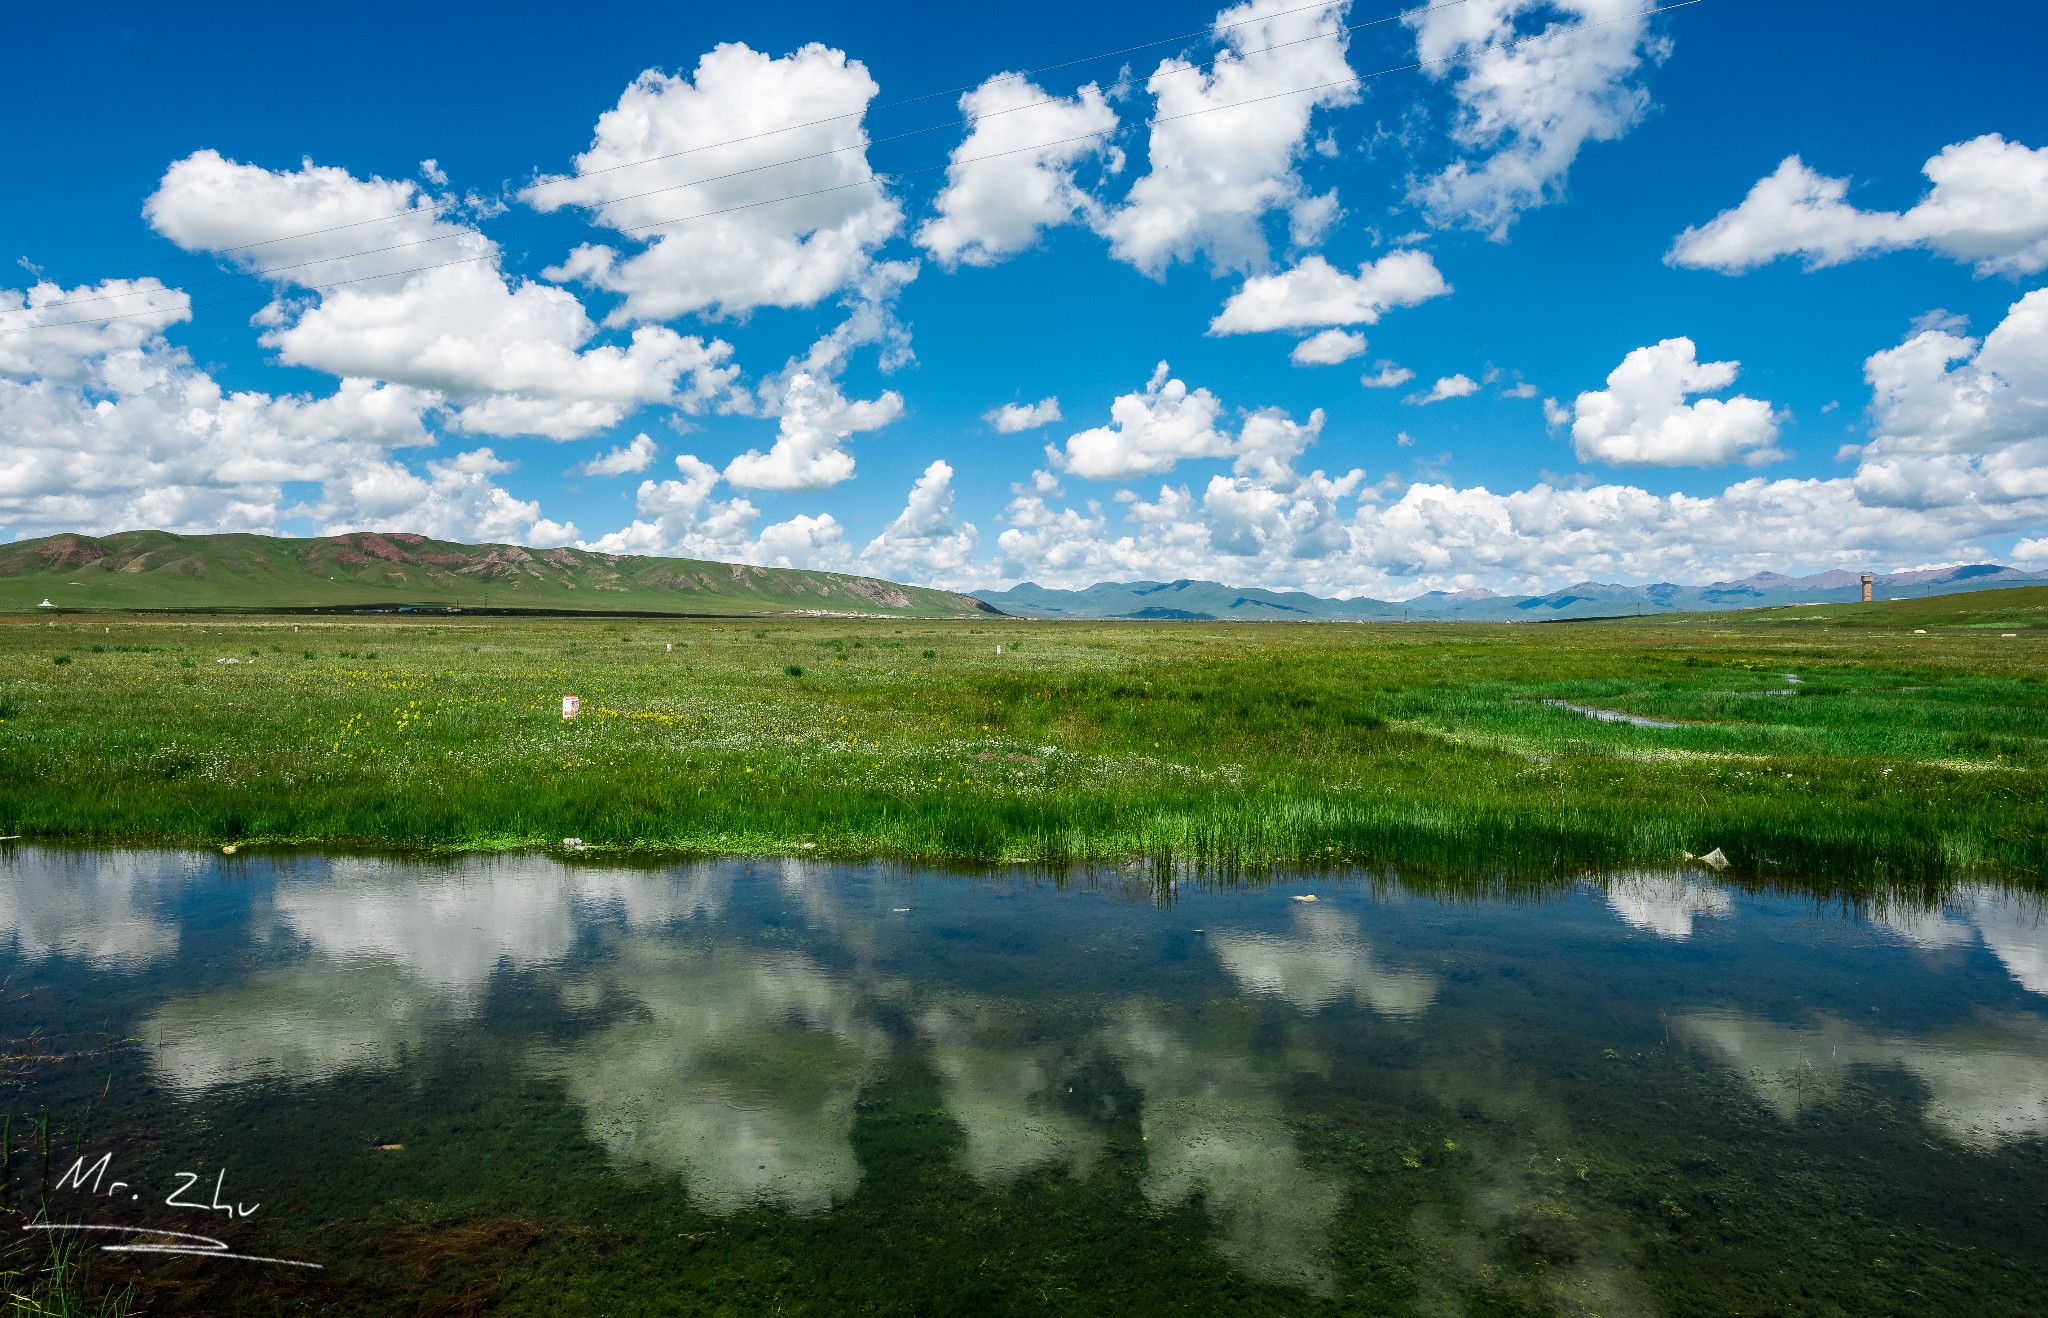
[(159, 570), (2014, 609)]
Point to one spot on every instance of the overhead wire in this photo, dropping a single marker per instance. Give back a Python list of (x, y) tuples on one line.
[(439, 206), (872, 179), (865, 144)]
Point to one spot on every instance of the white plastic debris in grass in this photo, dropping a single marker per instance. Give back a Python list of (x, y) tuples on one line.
[(571, 707)]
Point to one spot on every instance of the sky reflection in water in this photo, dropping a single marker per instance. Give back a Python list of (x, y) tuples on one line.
[(718, 1025)]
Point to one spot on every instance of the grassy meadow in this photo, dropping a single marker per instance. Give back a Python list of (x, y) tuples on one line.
[(1828, 742)]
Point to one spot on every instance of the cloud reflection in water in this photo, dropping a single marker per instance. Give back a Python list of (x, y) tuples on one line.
[(397, 948), (2014, 926), (305, 1023), (1987, 1081), (98, 906), (1665, 904), (454, 924), (1321, 962), (736, 1070), (1215, 1126), (1002, 1087)]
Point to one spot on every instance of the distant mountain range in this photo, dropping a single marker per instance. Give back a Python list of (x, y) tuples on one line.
[(369, 570), (1200, 600), (366, 570)]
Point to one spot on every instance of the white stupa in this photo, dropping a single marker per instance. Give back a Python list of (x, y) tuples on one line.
[(46, 605)]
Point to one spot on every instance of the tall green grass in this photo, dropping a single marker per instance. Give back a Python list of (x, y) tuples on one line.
[(50, 1275), (1220, 747)]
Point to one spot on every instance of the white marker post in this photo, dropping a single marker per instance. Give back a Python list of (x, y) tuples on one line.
[(571, 707)]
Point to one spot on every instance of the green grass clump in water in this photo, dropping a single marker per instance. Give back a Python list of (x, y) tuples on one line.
[(49, 1275), (1893, 755)]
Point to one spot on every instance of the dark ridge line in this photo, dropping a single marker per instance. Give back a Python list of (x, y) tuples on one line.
[(463, 611)]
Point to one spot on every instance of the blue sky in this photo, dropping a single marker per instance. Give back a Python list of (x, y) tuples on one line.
[(1831, 361)]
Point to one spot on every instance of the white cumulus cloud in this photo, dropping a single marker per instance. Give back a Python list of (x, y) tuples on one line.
[(925, 543), (802, 541), (1329, 348), (816, 420), (1148, 432), (1988, 207), (1957, 423), (455, 500), (1446, 387), (49, 331), (507, 358), (1265, 507), (624, 460), (1011, 418), (111, 428), (1388, 376), (1957, 455), (1435, 535), (680, 517), (1316, 293), (1642, 417), (1215, 173), (765, 161), (1267, 524), (1529, 98), (1013, 176)]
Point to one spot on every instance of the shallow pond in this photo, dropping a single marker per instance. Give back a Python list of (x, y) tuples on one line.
[(522, 1085)]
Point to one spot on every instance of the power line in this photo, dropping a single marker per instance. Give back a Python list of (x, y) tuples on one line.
[(439, 207), (771, 201), (865, 145)]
